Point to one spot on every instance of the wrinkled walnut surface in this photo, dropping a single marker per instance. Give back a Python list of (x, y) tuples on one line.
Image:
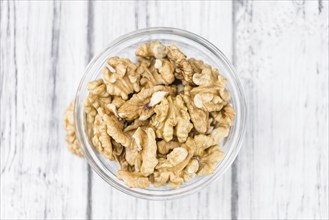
[(162, 119)]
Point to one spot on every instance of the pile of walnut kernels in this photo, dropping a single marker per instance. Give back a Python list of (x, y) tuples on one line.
[(162, 119)]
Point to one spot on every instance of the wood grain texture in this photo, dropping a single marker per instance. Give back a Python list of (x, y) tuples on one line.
[(280, 50), (282, 56), (43, 47)]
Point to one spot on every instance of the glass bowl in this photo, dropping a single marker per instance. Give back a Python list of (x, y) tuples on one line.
[(193, 46)]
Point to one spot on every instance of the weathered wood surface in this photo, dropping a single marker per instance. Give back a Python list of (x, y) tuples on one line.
[(280, 50), (281, 53)]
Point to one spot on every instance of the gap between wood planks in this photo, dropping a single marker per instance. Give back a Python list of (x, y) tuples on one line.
[(90, 40), (234, 175)]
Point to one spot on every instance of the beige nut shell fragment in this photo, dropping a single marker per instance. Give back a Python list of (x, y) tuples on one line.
[(210, 94), (98, 97), (184, 70), (101, 140), (140, 138), (118, 149), (207, 98), (208, 102), (157, 97), (149, 154), (176, 156), (164, 120), (124, 67), (133, 155), (114, 129), (139, 106), (225, 117), (136, 106), (205, 75), (70, 131), (198, 116), (118, 101), (134, 180), (209, 161), (153, 49), (191, 169), (184, 126), (219, 133), (149, 149), (179, 167), (124, 165), (206, 78), (167, 177), (116, 85), (124, 80), (161, 73), (113, 109), (172, 118), (91, 113), (98, 88), (166, 70), (203, 142), (136, 124), (164, 147)]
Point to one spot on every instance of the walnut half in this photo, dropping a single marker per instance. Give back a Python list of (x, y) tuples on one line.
[(172, 118)]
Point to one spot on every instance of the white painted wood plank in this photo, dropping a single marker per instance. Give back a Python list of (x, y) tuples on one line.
[(73, 58), (282, 55), (43, 59)]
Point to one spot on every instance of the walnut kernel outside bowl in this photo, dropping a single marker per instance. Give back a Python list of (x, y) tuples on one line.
[(193, 46)]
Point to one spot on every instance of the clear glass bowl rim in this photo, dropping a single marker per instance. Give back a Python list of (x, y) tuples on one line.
[(234, 149)]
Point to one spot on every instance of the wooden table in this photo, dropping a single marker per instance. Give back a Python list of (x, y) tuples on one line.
[(280, 50)]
